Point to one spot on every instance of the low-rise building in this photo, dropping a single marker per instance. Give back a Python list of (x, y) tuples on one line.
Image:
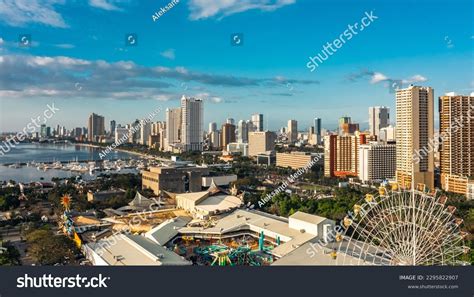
[(295, 160), (174, 179), (101, 196)]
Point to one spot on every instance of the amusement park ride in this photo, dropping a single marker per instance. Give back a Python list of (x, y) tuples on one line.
[(401, 227), (246, 252), (66, 223)]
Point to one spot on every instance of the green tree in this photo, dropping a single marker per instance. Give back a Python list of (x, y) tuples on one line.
[(46, 248)]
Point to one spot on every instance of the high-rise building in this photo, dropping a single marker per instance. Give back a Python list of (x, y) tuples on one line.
[(261, 142), (243, 131), (96, 127), (230, 121), (387, 134), (317, 130), (173, 127), (346, 126), (341, 154), (292, 130), (212, 127), (43, 131), (77, 132), (456, 118), (215, 139), (415, 128), (257, 122), (379, 117), (377, 161), (145, 132), (227, 135), (112, 127), (121, 135), (192, 123)]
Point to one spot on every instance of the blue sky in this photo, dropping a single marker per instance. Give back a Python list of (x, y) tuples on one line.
[(78, 58)]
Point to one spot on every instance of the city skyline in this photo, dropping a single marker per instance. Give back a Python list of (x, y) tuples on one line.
[(81, 68)]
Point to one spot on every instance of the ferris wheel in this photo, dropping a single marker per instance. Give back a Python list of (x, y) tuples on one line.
[(401, 228)]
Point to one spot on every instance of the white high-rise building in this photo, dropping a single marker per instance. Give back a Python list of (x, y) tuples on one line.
[(192, 124), (414, 133), (387, 134), (173, 127), (257, 122), (377, 161), (379, 117), (292, 130), (145, 132)]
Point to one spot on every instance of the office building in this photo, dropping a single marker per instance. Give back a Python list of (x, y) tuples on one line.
[(317, 130), (173, 127), (121, 135), (113, 124), (212, 127), (296, 160), (174, 179), (387, 134), (415, 131), (145, 132), (341, 154), (257, 122), (215, 140), (292, 131), (227, 135), (243, 131), (261, 142), (96, 127), (238, 148), (377, 161), (192, 124), (379, 117), (456, 118), (346, 126)]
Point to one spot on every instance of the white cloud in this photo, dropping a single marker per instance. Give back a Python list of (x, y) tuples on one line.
[(169, 54), (104, 4), (202, 9), (414, 79), (19, 13), (378, 77)]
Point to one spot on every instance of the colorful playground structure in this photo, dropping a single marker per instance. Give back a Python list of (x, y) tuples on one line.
[(243, 250)]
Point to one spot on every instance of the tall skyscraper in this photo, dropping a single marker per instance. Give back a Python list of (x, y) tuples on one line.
[(212, 127), (112, 127), (379, 117), (43, 131), (145, 132), (227, 135), (243, 131), (173, 127), (261, 142), (456, 118), (215, 139), (96, 127), (192, 123), (230, 121), (257, 121), (415, 128), (317, 130), (292, 130)]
